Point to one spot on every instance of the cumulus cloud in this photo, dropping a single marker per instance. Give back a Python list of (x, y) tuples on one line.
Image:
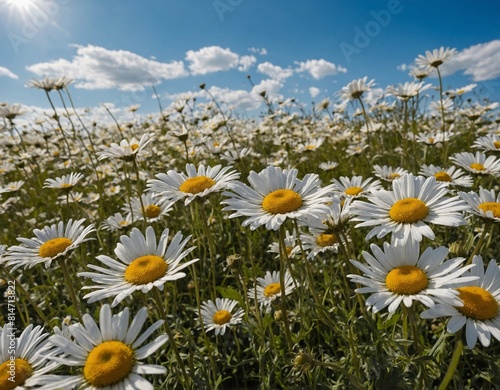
[(319, 68), (481, 61), (271, 87), (215, 59), (274, 71), (256, 50), (6, 72), (314, 91), (246, 62), (95, 67), (237, 99)]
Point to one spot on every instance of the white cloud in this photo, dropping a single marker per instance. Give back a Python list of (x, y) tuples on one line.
[(274, 71), (256, 50), (314, 91), (95, 67), (481, 61), (271, 87), (7, 73), (215, 59), (238, 99), (246, 62), (319, 68), (403, 67)]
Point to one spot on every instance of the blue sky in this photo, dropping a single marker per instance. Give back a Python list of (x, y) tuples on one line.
[(114, 50)]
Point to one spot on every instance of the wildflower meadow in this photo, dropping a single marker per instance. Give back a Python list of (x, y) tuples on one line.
[(350, 244)]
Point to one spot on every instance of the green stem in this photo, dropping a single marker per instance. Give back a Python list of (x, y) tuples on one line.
[(163, 314), (283, 260), (211, 248), (445, 145), (486, 227), (69, 286), (455, 358)]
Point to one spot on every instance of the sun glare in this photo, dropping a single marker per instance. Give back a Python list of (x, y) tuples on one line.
[(21, 4)]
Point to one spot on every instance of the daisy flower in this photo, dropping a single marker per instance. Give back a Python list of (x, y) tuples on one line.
[(142, 265), (64, 182), (12, 186), (291, 246), (24, 360), (388, 173), (488, 143), (50, 83), (448, 176), (452, 93), (232, 156), (435, 58), (109, 356), (51, 242), (480, 310), (436, 106), (335, 218), (268, 288), (219, 316), (153, 210), (126, 150), (117, 222), (405, 210), (355, 149), (432, 138), (356, 88), (485, 205), (319, 243), (407, 90), (354, 187), (276, 195), (195, 184), (400, 274), (479, 163), (328, 166)]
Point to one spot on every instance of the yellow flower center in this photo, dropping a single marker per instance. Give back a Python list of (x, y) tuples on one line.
[(477, 166), (281, 201), (326, 240), (222, 317), (195, 185), (479, 304), (134, 147), (431, 140), (108, 363), (408, 210), (146, 269), (14, 373), (53, 247), (272, 289), (394, 175), (152, 211), (406, 280), (494, 207), (66, 185), (353, 191), (442, 176), (496, 144), (288, 250), (310, 147)]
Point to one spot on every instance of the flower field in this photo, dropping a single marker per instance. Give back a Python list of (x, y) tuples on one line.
[(347, 245)]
